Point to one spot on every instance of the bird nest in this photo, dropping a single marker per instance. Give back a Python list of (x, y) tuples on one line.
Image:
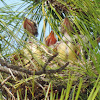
[(34, 70)]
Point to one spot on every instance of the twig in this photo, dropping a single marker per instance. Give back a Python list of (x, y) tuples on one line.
[(8, 91), (40, 86), (50, 59), (51, 71), (6, 80), (45, 50), (57, 70), (12, 74)]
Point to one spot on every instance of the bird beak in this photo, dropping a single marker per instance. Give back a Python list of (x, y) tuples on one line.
[(66, 26), (51, 39)]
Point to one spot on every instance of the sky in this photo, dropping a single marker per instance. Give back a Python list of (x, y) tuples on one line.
[(8, 2), (40, 26)]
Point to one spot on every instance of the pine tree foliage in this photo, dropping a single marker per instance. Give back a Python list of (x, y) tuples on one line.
[(29, 69)]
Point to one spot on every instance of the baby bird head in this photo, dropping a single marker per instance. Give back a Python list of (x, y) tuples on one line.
[(30, 26)]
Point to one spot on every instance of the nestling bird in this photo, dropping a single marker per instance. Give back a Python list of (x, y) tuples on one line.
[(51, 39), (67, 49), (30, 26)]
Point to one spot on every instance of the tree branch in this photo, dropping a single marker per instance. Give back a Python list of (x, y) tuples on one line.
[(20, 74), (51, 71), (16, 73), (50, 59), (18, 68), (19, 71)]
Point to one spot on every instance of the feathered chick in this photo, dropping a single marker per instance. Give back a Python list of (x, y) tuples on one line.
[(30, 26), (67, 49), (51, 39)]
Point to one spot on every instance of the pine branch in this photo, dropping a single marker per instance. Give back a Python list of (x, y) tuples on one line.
[(17, 71), (14, 67)]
